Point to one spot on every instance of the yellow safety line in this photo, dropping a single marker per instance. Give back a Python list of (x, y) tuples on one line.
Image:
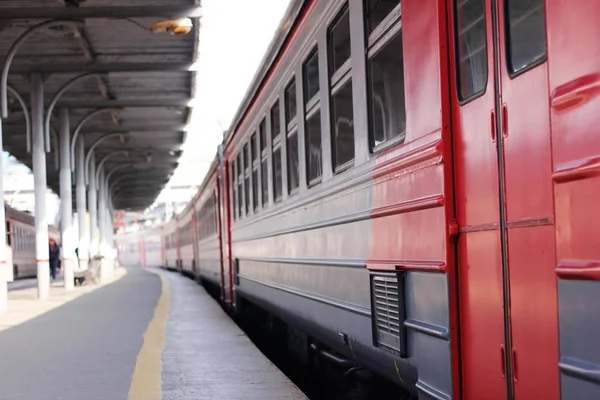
[(146, 383)]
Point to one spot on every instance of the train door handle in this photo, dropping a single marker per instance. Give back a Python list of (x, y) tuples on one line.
[(513, 361), (503, 361), (504, 120), (493, 125)]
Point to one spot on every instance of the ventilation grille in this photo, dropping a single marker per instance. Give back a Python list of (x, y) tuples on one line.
[(388, 312)]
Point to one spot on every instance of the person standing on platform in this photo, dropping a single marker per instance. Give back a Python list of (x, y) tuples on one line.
[(54, 258)]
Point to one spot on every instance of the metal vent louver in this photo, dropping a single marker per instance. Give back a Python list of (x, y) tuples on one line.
[(388, 312)]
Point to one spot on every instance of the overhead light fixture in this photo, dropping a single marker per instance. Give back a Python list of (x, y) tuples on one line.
[(171, 153), (181, 26)]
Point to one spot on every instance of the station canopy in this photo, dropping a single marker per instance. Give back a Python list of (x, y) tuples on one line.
[(131, 90)]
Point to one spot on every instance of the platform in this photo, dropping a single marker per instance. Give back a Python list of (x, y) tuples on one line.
[(149, 335)]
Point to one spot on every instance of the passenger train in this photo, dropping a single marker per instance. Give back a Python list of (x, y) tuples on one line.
[(413, 184), (20, 243)]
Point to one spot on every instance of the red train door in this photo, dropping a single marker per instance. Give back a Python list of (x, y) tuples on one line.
[(504, 200), (224, 213), (528, 194)]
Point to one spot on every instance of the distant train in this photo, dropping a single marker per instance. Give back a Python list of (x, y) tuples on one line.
[(20, 241), (413, 185)]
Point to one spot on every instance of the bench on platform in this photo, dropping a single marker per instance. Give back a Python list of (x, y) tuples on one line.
[(92, 275)]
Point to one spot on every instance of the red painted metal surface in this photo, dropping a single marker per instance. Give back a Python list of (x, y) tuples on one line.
[(579, 270), (479, 253), (413, 195), (531, 249)]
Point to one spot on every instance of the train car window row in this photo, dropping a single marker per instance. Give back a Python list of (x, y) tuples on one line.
[(186, 234), (385, 102), (171, 241), (207, 220)]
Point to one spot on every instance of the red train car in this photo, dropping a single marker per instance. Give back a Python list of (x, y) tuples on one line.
[(418, 179)]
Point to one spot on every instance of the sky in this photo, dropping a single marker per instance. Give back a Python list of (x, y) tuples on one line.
[(234, 36)]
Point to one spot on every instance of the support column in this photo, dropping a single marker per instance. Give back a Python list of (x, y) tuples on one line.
[(40, 185), (66, 200), (84, 230), (102, 224), (93, 208), (3, 264)]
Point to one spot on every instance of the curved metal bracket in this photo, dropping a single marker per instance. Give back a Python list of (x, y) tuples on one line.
[(112, 172), (13, 51), (106, 157), (80, 125), (88, 156), (113, 190), (23, 104), (55, 99)]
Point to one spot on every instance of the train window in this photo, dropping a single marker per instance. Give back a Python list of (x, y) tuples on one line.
[(292, 136), (290, 103), (8, 235), (343, 125), (277, 175), (313, 118), (247, 163), (240, 181), (276, 149), (264, 180), (262, 129), (292, 158), (313, 147), (264, 172), (339, 41), (342, 115), (377, 10), (526, 34), (311, 76), (275, 125), (234, 192), (253, 152), (387, 111), (255, 164), (471, 44)]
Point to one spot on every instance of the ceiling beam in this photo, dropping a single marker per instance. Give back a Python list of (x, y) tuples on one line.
[(117, 12), (123, 103), (88, 55), (102, 67)]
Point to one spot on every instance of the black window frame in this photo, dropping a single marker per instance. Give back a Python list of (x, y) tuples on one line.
[(263, 136), (276, 143), (247, 178), (312, 106), (337, 81), (292, 129), (512, 73), (457, 55), (254, 144), (376, 41)]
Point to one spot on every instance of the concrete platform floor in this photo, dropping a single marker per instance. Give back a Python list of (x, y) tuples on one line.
[(148, 335)]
